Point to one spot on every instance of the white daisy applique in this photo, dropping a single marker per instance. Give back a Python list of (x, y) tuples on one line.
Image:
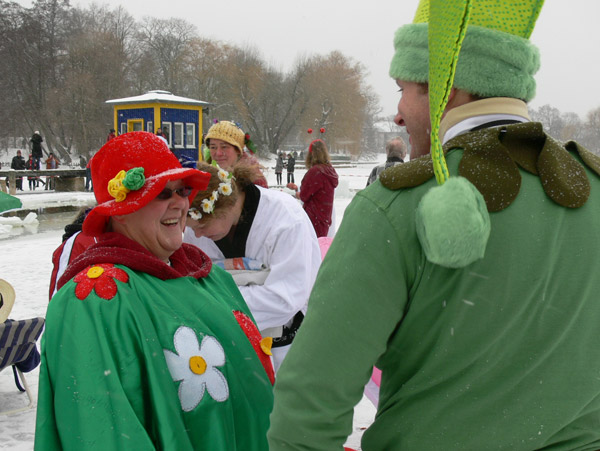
[(195, 366)]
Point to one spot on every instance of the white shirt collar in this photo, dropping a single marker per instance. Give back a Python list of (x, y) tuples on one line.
[(462, 119)]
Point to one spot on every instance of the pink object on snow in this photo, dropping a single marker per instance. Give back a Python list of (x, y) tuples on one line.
[(324, 243), (372, 387)]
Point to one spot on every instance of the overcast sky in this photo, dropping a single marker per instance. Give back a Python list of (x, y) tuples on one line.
[(567, 34)]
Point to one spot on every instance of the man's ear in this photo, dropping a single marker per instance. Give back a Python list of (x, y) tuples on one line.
[(452, 95)]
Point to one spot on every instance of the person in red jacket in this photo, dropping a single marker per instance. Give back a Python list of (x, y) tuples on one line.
[(317, 187), (111, 134)]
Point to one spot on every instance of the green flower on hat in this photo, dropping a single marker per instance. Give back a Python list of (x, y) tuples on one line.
[(134, 179), (124, 182)]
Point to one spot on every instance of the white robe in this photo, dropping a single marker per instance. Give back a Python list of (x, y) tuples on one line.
[(283, 238)]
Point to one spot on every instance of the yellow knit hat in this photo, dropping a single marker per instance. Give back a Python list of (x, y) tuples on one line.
[(228, 132)]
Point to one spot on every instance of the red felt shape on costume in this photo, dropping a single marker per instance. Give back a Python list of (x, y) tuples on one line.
[(256, 339), (100, 278)]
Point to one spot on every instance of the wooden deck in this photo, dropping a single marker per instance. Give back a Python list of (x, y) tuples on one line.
[(66, 179)]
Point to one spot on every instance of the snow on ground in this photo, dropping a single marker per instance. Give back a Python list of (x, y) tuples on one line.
[(25, 262)]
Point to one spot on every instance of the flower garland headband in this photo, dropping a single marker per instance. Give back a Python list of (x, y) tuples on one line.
[(125, 182), (224, 188)]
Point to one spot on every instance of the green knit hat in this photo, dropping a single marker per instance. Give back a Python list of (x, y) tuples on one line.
[(479, 46), (496, 57)]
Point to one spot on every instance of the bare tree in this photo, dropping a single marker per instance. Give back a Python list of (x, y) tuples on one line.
[(167, 43), (591, 136), (550, 118), (338, 101), (60, 65)]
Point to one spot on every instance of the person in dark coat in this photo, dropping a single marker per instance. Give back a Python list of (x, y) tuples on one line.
[(36, 145), (111, 134), (36, 150), (291, 163), (18, 164)]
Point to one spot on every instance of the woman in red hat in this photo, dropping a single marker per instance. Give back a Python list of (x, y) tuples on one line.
[(145, 346)]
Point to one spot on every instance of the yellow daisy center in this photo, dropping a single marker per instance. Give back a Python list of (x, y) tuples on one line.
[(197, 364), (266, 344), (94, 272)]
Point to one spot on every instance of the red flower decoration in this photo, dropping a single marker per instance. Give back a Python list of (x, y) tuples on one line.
[(100, 278), (247, 136), (322, 130), (257, 342), (309, 130)]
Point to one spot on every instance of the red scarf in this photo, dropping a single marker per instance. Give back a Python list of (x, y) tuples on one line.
[(187, 261)]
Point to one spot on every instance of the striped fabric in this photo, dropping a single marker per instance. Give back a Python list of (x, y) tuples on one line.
[(17, 340)]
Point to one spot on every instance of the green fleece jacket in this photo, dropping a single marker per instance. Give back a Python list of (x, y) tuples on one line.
[(501, 354)]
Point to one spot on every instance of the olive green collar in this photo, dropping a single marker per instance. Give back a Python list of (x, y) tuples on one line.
[(491, 161)]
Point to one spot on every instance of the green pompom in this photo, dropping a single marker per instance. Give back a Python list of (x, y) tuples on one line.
[(134, 179), (453, 224)]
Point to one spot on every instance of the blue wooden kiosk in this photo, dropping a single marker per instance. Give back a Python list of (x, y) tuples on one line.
[(179, 117)]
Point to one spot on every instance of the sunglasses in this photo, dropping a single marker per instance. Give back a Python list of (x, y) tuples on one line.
[(167, 193)]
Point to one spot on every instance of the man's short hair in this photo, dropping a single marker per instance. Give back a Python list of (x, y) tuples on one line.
[(396, 147)]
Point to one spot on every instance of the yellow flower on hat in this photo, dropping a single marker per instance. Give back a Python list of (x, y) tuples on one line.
[(116, 188), (125, 182)]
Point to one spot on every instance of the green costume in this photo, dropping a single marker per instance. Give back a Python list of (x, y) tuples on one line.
[(501, 354), (136, 359)]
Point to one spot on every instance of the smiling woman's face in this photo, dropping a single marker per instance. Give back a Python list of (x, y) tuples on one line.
[(158, 226), (223, 153)]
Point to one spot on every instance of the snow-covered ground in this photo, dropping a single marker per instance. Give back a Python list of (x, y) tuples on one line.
[(25, 262)]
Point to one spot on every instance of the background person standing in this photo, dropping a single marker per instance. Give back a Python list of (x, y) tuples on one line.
[(318, 187), (18, 164), (31, 165), (395, 150), (36, 145), (291, 163), (279, 168), (51, 163)]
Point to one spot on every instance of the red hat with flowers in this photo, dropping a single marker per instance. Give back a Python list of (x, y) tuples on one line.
[(131, 170)]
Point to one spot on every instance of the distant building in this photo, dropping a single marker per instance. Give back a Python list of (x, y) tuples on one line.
[(179, 117)]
